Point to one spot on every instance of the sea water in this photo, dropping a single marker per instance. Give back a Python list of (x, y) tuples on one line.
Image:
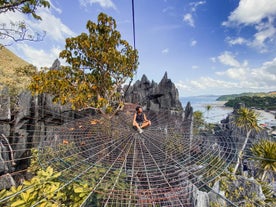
[(218, 111), (215, 114)]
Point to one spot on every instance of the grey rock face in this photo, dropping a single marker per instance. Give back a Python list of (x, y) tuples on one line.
[(248, 189), (5, 112), (154, 96), (33, 123), (6, 181), (56, 65)]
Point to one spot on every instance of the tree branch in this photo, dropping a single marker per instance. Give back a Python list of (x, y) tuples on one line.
[(12, 6), (10, 148)]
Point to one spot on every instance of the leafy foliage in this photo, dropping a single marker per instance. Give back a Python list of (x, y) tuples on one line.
[(233, 96), (266, 102), (100, 63), (246, 119), (264, 153), (23, 6), (239, 194), (198, 121), (49, 187)]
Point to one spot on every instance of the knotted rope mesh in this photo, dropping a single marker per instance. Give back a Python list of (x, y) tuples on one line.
[(165, 165)]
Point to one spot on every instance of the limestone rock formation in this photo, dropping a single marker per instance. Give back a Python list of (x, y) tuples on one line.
[(56, 65), (154, 96)]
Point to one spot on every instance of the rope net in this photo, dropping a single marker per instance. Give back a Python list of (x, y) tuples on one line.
[(163, 166), (166, 165)]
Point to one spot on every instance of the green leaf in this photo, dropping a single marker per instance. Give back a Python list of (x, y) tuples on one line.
[(18, 203), (78, 190)]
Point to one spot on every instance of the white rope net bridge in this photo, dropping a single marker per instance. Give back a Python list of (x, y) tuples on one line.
[(163, 166)]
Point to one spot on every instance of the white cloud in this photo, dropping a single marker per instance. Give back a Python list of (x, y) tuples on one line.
[(264, 76), (260, 15), (193, 43), (56, 32), (12, 17), (265, 32), (195, 67), (194, 5), (188, 18), (102, 3), (236, 41), (165, 51), (52, 25), (228, 59), (235, 73), (252, 12), (58, 10), (233, 80), (42, 58)]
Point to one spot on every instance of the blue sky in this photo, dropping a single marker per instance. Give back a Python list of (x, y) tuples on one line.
[(207, 47)]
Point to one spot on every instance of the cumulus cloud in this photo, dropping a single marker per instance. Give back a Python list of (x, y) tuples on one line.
[(260, 15), (227, 58), (42, 58), (53, 26), (57, 32), (188, 18), (205, 85), (251, 12), (235, 73), (236, 79), (102, 3), (236, 41)]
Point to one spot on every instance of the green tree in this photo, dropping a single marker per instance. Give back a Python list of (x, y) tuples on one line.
[(246, 119), (208, 108), (18, 31), (264, 153), (100, 63), (198, 121)]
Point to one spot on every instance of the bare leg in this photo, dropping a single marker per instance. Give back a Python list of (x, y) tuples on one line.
[(139, 128), (145, 124)]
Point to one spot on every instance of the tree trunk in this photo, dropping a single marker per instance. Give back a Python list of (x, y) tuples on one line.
[(241, 152)]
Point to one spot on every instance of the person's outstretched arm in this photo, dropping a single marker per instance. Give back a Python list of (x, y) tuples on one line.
[(134, 120)]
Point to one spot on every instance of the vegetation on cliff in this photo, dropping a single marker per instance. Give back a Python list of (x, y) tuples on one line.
[(15, 73), (265, 103), (233, 96)]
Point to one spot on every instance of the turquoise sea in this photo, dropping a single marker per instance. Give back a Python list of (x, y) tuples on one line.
[(217, 112)]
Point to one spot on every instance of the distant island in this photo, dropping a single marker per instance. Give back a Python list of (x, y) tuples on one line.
[(264, 101), (233, 96)]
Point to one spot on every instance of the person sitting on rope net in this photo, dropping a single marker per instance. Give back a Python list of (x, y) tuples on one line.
[(140, 120)]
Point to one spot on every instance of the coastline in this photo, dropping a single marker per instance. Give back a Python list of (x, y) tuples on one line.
[(219, 112)]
